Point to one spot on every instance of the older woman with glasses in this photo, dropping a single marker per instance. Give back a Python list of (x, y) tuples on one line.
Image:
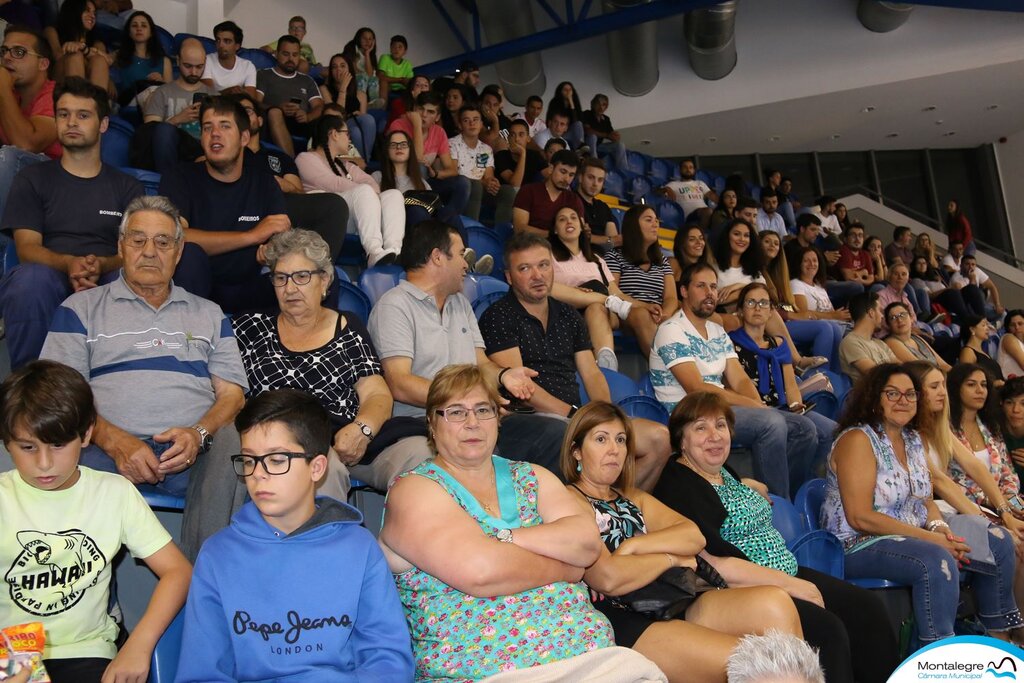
[(496, 588), (328, 354), (879, 504)]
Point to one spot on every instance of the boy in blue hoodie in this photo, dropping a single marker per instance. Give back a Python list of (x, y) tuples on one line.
[(295, 588)]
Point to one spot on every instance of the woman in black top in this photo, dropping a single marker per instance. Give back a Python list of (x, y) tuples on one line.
[(340, 88), (974, 332), (77, 50)]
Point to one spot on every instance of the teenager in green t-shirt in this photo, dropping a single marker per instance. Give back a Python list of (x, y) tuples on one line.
[(393, 70)]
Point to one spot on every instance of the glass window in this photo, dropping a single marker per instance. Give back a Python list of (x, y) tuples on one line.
[(844, 173), (799, 168), (733, 164), (970, 177), (903, 177)]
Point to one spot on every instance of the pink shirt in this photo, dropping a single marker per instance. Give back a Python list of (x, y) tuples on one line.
[(887, 296), (41, 105), (577, 270), (317, 175), (435, 143)]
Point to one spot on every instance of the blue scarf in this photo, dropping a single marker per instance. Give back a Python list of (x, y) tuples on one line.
[(769, 364)]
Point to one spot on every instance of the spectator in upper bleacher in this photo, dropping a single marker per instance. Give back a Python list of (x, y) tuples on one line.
[(532, 114), (553, 146), (895, 290), (557, 125), (432, 149), (536, 203), (362, 54), (297, 30), (692, 353), (689, 246), (171, 115), (567, 101), (475, 161), (604, 232), (349, 604), (79, 50), (786, 188), (825, 210), (393, 70), (773, 180), (426, 324), (520, 164), (725, 210), (599, 133), (454, 99), (165, 369), (768, 216), (808, 285), (225, 70), (842, 215), (63, 246), (952, 299), (293, 101), (740, 261), (230, 214), (747, 209), (901, 248), (855, 264), (860, 350), (140, 60), (905, 341), (690, 194), (1011, 345), (378, 217), (494, 118), (468, 75), (808, 229), (958, 228), (974, 335), (340, 88), (975, 284), (406, 99), (27, 128)]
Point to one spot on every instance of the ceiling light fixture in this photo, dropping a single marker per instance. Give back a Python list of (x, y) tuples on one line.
[(992, 107), (774, 138), (930, 107), (834, 136), (892, 135), (949, 134), (645, 142), (711, 139), (867, 110)]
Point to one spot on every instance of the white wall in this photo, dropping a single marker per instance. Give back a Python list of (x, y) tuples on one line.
[(1010, 156)]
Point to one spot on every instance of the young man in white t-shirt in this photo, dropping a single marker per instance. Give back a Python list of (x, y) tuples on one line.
[(475, 160), (971, 275), (690, 194), (692, 353), (225, 70)]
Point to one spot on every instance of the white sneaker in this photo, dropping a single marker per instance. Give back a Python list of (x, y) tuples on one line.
[(484, 265), (470, 257)]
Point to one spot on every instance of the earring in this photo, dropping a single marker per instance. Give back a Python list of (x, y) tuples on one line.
[(579, 465)]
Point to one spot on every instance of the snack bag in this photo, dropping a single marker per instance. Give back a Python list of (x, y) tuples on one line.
[(23, 644)]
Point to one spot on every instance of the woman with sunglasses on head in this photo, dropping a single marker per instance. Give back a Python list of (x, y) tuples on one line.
[(878, 502), (974, 334), (328, 354), (903, 340), (1011, 345), (642, 539)]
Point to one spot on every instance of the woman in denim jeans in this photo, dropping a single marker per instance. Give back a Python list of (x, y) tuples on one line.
[(879, 503)]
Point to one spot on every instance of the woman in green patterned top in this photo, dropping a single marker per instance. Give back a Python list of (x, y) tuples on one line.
[(736, 521)]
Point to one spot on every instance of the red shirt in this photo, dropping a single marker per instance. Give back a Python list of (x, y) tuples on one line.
[(41, 105), (434, 143), (535, 199), (859, 261)]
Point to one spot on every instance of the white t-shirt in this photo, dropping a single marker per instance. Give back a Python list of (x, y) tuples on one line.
[(678, 341), (958, 280), (817, 297), (57, 553), (829, 224), (537, 126), (472, 161), (690, 194), (1008, 364), (951, 263), (244, 73), (735, 276)]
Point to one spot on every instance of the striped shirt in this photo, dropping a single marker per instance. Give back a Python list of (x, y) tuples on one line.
[(634, 281)]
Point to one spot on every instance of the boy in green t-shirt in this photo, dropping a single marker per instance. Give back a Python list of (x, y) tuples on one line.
[(297, 30), (63, 524), (394, 71)]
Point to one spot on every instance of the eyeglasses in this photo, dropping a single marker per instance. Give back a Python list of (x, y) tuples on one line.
[(456, 414), (899, 316), (137, 240), (17, 52), (299, 277), (273, 463), (398, 145), (757, 303), (895, 395)]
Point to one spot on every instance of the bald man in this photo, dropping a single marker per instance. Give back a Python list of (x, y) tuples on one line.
[(171, 115)]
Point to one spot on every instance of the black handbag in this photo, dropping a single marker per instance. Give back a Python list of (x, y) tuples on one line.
[(427, 200), (673, 591)]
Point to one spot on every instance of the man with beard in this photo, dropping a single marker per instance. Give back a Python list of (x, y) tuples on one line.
[(63, 215), (690, 194), (229, 214), (528, 328), (691, 353), (292, 99), (225, 70), (604, 233), (171, 114), (537, 203)]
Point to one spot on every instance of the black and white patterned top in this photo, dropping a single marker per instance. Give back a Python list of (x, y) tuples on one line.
[(634, 281), (329, 373)]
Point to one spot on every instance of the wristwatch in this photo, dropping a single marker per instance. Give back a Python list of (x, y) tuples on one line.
[(205, 439), (504, 535), (365, 429)]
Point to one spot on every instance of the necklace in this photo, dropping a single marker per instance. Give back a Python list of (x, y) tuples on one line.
[(715, 480), (493, 485)]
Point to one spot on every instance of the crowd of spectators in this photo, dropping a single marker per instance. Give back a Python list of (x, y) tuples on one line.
[(187, 342)]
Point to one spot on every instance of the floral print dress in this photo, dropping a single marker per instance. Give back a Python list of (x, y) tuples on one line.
[(999, 465), (457, 637)]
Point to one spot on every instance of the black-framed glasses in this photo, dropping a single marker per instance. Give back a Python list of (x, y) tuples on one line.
[(299, 277), (17, 52), (894, 395), (137, 240), (273, 463), (398, 145), (757, 303), (456, 414)]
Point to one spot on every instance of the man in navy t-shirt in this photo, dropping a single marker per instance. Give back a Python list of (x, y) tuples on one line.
[(230, 214), (64, 217)]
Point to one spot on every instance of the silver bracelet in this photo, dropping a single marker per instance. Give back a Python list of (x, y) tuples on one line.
[(935, 524)]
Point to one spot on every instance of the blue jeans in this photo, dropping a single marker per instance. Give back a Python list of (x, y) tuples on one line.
[(823, 336), (173, 484), (29, 295), (454, 192), (840, 292), (616, 149), (825, 429), (783, 445), (934, 580), (919, 299), (574, 136), (12, 160), (362, 128)]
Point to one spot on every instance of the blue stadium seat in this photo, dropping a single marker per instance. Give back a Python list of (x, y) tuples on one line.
[(261, 59), (638, 187), (483, 240), (670, 214), (705, 177), (755, 191), (10, 257), (150, 179), (482, 303), (786, 519), (820, 550), (645, 407), (637, 163), (615, 184), (477, 286), (116, 142), (158, 500), (718, 183), (163, 666), (618, 215), (467, 221), (503, 231), (377, 280), (620, 386), (352, 253), (166, 41), (340, 275), (351, 298), (661, 171), (644, 385), (208, 43)]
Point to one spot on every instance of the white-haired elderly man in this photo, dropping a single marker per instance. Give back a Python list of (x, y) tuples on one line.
[(165, 370)]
